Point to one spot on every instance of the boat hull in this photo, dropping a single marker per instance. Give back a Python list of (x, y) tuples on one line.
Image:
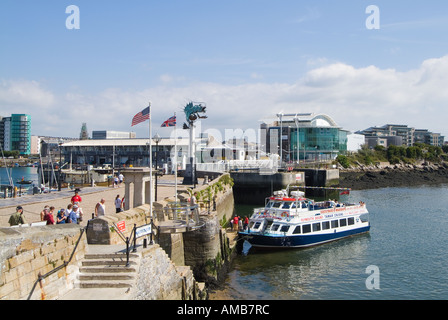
[(298, 241)]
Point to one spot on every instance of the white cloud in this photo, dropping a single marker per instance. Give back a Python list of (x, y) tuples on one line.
[(356, 98), (24, 93)]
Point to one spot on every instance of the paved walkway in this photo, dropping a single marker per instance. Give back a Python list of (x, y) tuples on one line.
[(34, 204)]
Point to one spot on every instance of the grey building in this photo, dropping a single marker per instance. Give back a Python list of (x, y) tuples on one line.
[(123, 152), (400, 135), (107, 134)]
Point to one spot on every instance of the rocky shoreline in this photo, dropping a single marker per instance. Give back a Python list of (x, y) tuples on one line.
[(373, 177)]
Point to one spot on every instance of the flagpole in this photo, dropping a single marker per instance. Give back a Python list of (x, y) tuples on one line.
[(150, 164), (175, 157)]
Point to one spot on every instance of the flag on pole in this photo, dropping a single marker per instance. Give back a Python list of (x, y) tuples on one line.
[(171, 122), (141, 116)]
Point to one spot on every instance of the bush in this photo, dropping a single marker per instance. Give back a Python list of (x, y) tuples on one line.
[(343, 161)]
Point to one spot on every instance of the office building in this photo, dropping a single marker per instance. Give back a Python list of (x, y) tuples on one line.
[(400, 135), (304, 138)]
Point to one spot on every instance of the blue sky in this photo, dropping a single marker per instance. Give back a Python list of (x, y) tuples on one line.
[(248, 60)]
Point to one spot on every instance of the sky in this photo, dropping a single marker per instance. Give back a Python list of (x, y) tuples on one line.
[(247, 60)]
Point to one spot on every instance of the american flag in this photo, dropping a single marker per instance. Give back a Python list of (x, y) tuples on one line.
[(171, 122), (141, 116)]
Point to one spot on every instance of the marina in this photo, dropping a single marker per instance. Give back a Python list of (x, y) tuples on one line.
[(406, 243)]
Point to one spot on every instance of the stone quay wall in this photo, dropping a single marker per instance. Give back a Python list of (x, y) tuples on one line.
[(26, 252), (102, 230), (160, 279)]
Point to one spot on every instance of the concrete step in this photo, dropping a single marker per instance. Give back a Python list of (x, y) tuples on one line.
[(103, 277), (105, 284), (107, 270), (112, 256), (106, 263)]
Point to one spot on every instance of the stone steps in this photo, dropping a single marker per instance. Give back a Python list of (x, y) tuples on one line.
[(109, 270)]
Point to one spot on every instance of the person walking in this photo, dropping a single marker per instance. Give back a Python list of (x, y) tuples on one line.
[(100, 208), (17, 218)]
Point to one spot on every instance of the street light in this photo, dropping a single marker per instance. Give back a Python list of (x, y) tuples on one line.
[(60, 165), (156, 139)]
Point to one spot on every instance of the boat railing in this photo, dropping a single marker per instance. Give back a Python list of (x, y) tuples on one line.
[(274, 213)]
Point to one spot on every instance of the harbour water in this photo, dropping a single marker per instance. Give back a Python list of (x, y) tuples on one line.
[(406, 249), (17, 173)]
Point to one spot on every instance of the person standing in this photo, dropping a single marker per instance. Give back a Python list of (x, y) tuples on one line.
[(49, 217), (118, 204), (44, 212), (76, 197), (17, 218), (100, 208), (61, 217), (71, 217), (78, 211)]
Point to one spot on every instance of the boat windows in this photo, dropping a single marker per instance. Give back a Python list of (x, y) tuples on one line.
[(304, 205), (334, 223), (342, 222), (276, 204), (316, 226), (306, 228), (351, 221), (286, 205), (325, 225), (297, 230), (257, 225), (284, 228), (275, 227)]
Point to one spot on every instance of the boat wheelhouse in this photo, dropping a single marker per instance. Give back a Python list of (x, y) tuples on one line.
[(293, 221)]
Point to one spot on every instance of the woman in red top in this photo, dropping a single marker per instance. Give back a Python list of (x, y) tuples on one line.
[(49, 217)]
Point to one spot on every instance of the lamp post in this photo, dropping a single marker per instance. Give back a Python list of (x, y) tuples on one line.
[(60, 165), (157, 139)]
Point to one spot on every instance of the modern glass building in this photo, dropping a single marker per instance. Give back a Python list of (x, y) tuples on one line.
[(307, 138), (16, 133)]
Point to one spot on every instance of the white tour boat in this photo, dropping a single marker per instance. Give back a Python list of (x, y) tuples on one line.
[(292, 221)]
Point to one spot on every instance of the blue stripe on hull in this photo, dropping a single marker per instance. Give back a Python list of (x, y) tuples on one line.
[(298, 241)]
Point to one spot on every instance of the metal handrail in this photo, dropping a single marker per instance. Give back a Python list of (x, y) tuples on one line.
[(41, 277)]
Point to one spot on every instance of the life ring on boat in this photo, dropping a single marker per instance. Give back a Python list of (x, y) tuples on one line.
[(285, 214)]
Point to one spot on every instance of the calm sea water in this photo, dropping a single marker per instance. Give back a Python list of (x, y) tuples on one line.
[(408, 243), (28, 173)]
